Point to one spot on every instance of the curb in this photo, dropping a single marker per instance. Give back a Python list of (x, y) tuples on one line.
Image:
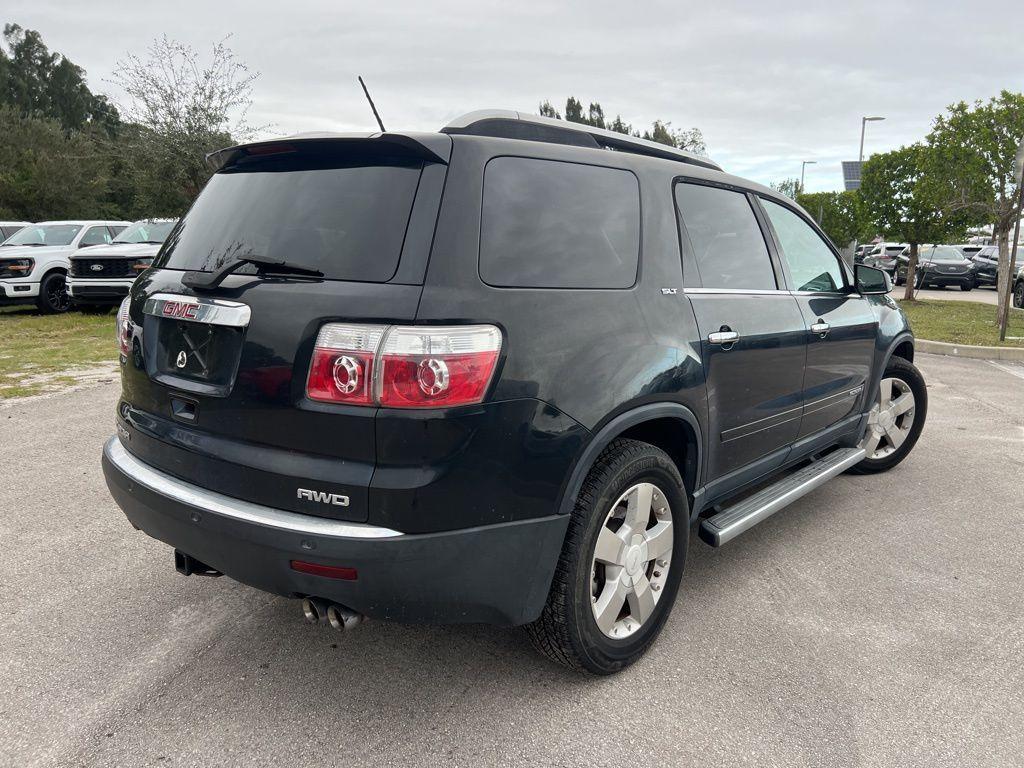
[(1014, 354)]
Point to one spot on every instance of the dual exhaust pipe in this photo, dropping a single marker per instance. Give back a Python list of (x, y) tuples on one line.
[(319, 611)]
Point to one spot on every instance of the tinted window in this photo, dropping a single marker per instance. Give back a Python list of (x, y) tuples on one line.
[(726, 239), (549, 224), (95, 236), (812, 265), (347, 220)]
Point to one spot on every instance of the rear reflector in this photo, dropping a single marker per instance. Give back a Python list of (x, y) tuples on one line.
[(327, 571)]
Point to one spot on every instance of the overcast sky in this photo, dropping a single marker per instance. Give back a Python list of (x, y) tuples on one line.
[(768, 83)]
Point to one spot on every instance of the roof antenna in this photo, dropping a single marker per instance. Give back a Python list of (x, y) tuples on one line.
[(371, 104)]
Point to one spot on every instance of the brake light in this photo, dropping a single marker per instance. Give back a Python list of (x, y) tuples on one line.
[(424, 367), (124, 328), (343, 364), (403, 366)]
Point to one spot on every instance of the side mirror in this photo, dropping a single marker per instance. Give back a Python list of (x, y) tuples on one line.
[(871, 281)]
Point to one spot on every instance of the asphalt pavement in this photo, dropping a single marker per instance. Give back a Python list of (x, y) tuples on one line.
[(879, 621)]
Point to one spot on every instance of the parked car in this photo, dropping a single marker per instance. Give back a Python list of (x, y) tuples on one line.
[(968, 249), (102, 275), (34, 261), (883, 256), (466, 377), (860, 252), (986, 265), (1018, 289), (938, 266), (8, 228)]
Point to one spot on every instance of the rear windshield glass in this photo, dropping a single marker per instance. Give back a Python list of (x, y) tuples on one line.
[(894, 251), (345, 219), (552, 224)]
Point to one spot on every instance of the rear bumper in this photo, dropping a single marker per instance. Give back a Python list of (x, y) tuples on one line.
[(498, 574)]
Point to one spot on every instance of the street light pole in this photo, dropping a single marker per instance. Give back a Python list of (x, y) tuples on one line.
[(863, 124), (803, 166)]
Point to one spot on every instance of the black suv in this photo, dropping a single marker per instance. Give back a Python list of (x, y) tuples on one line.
[(494, 374)]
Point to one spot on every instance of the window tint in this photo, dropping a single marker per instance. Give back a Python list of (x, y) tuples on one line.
[(812, 265), (726, 239), (95, 236), (344, 218), (550, 224)]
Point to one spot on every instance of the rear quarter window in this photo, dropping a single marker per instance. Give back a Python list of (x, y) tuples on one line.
[(553, 224)]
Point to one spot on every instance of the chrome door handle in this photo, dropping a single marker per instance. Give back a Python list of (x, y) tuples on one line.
[(820, 328), (723, 337)]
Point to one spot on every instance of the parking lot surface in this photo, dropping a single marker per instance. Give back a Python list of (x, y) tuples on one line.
[(978, 295), (879, 621)]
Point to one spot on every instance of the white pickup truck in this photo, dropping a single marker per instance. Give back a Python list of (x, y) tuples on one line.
[(34, 262)]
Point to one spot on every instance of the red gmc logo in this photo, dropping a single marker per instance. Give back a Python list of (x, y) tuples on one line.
[(181, 309)]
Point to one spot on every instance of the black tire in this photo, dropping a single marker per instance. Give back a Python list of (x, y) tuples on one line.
[(566, 631), (966, 286), (1018, 294), (898, 280), (901, 369), (53, 294)]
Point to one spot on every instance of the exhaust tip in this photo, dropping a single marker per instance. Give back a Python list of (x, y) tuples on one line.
[(314, 610), (342, 619)]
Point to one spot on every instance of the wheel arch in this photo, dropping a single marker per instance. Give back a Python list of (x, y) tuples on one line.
[(903, 347), (670, 426)]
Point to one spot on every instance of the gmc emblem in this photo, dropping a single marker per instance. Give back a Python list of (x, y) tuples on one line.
[(323, 497), (181, 309)]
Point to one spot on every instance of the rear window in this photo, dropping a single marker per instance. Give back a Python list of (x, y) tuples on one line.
[(894, 250), (552, 224), (345, 219)]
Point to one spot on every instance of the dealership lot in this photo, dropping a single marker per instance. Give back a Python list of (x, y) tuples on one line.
[(878, 621)]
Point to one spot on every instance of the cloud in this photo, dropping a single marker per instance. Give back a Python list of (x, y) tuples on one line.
[(769, 84)]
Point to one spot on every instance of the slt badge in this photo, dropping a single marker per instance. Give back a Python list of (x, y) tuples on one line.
[(182, 359)]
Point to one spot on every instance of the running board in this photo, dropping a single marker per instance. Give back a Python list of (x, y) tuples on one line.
[(732, 521)]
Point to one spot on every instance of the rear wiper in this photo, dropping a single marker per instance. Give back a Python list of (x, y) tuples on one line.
[(207, 281)]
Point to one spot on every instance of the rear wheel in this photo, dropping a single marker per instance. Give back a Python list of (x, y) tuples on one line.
[(53, 294), (896, 418), (621, 563), (1018, 294)]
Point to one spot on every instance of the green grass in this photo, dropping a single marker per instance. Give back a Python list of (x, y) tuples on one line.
[(962, 322), (39, 353)]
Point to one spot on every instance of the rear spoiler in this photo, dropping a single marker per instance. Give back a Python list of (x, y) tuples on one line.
[(430, 147)]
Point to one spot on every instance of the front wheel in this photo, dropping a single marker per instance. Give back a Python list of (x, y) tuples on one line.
[(620, 566), (966, 286), (896, 418), (53, 294), (1018, 295)]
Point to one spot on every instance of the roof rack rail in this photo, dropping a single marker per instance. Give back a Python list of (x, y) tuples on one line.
[(508, 124)]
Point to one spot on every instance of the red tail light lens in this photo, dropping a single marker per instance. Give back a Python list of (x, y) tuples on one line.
[(124, 328), (424, 367), (403, 366), (343, 364)]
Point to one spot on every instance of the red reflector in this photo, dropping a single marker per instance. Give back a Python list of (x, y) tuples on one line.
[(327, 571)]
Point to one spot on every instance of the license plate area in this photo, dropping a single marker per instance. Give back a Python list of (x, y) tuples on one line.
[(194, 344)]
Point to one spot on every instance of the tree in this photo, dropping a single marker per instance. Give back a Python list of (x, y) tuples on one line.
[(904, 201), (973, 149), (788, 187), (46, 173), (840, 214), (183, 109), (662, 132), (38, 83)]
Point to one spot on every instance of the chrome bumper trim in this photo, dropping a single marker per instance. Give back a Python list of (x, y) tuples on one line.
[(236, 509)]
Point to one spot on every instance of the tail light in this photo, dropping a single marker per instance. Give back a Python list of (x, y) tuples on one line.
[(343, 364), (124, 328), (403, 366)]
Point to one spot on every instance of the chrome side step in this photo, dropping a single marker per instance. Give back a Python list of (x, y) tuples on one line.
[(732, 521)]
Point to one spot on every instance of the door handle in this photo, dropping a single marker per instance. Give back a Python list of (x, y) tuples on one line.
[(821, 328), (723, 337)]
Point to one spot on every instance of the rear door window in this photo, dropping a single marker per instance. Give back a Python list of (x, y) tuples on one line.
[(342, 217), (812, 264), (725, 237), (552, 224)]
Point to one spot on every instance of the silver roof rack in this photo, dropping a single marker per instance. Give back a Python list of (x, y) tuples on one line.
[(508, 124)]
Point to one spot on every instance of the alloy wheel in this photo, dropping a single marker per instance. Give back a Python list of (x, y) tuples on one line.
[(631, 560), (890, 419), (57, 295)]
